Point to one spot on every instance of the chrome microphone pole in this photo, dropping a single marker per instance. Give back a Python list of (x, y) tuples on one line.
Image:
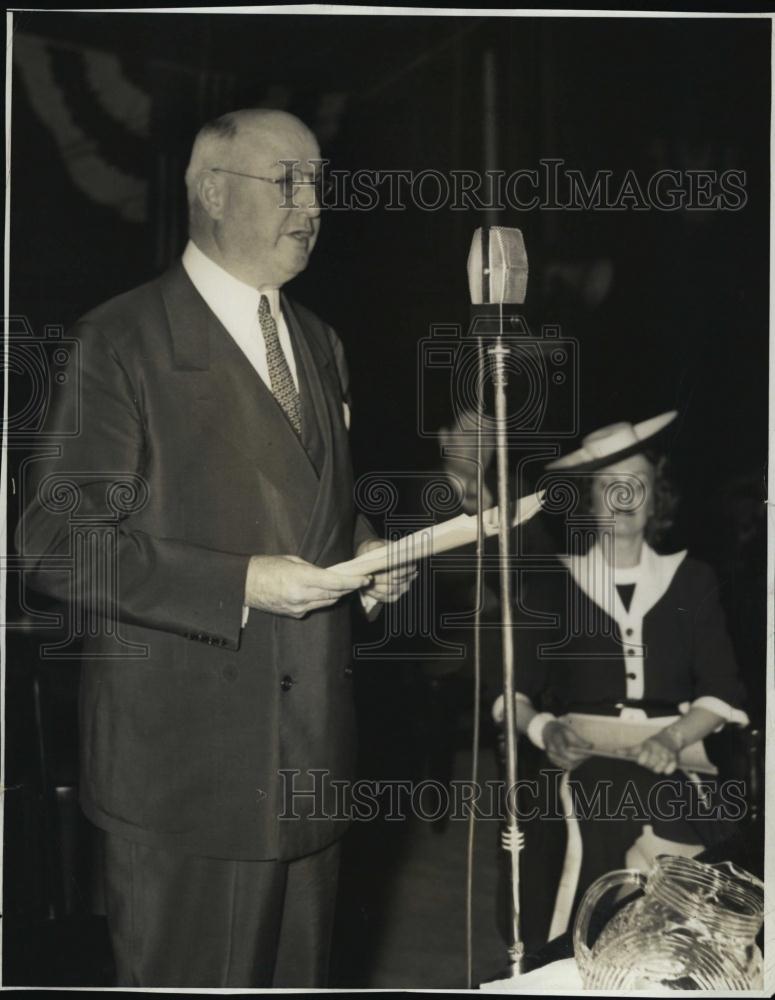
[(497, 274), (512, 838)]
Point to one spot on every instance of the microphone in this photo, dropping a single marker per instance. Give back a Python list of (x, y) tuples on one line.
[(497, 266), (497, 276)]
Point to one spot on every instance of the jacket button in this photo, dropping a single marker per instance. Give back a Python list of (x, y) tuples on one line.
[(287, 682), (348, 671), (230, 672)]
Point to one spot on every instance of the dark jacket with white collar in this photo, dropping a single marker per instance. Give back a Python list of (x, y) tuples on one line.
[(581, 649)]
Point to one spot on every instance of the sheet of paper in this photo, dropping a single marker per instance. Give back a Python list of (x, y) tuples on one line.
[(444, 537), (609, 734)]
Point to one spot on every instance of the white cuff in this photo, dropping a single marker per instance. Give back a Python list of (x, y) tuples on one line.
[(536, 727), (498, 710), (245, 614), (735, 716)]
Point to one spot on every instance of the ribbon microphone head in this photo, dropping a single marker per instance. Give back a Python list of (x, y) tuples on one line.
[(497, 266)]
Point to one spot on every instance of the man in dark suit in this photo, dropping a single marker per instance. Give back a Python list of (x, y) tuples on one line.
[(212, 469)]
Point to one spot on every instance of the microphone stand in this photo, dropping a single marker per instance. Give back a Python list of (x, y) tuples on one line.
[(512, 839)]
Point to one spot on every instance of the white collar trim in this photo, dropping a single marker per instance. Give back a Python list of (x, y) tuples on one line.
[(597, 578)]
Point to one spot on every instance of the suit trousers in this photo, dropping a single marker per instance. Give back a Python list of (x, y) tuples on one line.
[(179, 920)]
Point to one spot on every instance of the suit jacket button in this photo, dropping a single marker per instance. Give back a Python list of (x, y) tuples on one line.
[(348, 671), (230, 673), (287, 682)]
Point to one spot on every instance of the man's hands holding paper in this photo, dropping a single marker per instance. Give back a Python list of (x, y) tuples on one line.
[(287, 585), (390, 584)]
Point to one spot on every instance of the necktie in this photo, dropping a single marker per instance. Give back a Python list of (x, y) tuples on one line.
[(280, 376)]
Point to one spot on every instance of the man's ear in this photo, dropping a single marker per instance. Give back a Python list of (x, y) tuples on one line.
[(211, 191)]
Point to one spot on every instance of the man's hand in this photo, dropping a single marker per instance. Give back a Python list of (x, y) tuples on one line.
[(287, 585), (389, 585), (564, 747)]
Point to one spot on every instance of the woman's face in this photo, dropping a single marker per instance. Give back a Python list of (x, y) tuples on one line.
[(624, 491)]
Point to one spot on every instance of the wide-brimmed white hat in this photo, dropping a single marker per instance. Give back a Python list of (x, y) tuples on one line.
[(612, 443)]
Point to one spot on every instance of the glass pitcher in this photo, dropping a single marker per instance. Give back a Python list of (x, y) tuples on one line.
[(694, 928)]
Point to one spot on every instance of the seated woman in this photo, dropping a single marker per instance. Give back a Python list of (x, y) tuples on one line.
[(617, 630)]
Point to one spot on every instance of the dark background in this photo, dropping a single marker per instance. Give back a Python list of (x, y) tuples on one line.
[(681, 322)]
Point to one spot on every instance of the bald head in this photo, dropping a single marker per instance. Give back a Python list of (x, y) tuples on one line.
[(233, 139), (235, 210)]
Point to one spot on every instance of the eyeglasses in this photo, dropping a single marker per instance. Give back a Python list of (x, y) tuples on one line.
[(288, 185)]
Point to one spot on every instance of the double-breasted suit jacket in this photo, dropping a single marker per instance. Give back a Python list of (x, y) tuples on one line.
[(186, 457)]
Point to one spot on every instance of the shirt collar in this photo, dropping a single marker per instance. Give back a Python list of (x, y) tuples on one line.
[(233, 301)]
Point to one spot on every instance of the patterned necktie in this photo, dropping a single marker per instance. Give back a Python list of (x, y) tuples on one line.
[(283, 386)]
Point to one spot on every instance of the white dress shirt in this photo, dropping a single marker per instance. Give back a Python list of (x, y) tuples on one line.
[(236, 306)]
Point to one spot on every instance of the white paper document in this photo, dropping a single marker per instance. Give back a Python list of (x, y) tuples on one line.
[(436, 538), (612, 736)]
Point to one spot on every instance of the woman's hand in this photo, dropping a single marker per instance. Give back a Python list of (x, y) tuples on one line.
[(658, 753), (564, 746)]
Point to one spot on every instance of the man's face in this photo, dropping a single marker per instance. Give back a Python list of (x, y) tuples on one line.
[(266, 243)]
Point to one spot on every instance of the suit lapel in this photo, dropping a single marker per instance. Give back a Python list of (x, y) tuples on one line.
[(188, 317), (235, 405), (323, 405)]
